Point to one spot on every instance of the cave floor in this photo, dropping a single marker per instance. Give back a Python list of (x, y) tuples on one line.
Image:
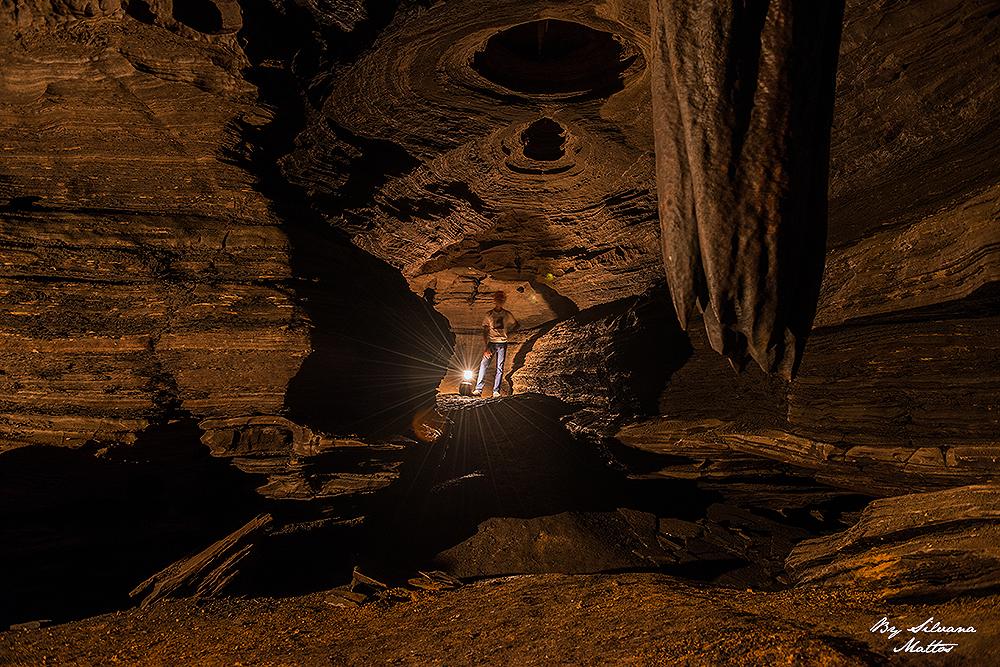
[(625, 618)]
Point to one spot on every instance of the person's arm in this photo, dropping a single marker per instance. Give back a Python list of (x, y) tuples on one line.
[(486, 342), (514, 324)]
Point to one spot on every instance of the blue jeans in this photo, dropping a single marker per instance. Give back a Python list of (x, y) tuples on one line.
[(499, 351)]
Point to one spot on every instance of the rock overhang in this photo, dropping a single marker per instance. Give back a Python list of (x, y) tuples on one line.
[(537, 179)]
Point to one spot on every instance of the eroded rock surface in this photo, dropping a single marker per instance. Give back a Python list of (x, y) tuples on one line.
[(742, 104), (925, 545), (608, 362), (399, 128), (300, 464)]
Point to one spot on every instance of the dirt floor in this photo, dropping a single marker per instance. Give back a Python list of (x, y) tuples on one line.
[(524, 620)]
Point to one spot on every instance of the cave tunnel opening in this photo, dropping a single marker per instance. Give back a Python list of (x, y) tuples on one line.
[(543, 140), (550, 56)]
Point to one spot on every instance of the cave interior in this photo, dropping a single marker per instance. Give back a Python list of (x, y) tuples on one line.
[(754, 254)]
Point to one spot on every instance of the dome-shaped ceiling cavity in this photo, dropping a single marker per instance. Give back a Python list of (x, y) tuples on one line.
[(543, 140), (553, 57)]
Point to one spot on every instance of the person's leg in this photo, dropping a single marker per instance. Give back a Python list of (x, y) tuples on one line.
[(500, 353), (481, 380)]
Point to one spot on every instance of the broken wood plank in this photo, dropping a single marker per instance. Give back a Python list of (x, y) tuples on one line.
[(207, 573)]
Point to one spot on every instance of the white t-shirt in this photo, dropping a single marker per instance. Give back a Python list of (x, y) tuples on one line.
[(499, 322)]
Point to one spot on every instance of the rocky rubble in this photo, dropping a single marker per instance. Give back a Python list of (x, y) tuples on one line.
[(299, 464)]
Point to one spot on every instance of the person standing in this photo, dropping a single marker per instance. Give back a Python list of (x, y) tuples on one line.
[(497, 325)]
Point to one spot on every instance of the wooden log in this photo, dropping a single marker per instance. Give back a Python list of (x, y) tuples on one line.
[(207, 573)]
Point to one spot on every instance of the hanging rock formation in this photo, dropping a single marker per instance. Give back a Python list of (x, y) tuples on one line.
[(742, 103), (898, 388)]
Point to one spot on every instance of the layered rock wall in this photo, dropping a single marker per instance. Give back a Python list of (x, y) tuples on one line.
[(146, 273), (143, 271)]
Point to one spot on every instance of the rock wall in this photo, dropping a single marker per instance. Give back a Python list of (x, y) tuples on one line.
[(171, 318), (143, 271), (147, 271), (609, 363)]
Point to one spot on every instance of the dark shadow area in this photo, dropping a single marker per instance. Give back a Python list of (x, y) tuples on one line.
[(378, 350), (374, 161), (202, 15), (512, 459), (550, 56), (140, 11), (543, 140), (815, 49), (25, 203), (79, 531), (562, 306), (299, 558), (650, 347)]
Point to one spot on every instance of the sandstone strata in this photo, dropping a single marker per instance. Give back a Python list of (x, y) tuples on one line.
[(144, 272), (141, 269), (929, 545)]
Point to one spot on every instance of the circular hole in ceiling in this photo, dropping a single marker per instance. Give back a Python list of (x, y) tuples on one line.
[(543, 140), (553, 57)]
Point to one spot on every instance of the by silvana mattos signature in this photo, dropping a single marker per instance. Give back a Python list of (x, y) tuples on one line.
[(913, 643)]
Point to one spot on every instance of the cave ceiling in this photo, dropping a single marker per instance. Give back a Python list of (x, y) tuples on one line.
[(520, 155), (513, 149)]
